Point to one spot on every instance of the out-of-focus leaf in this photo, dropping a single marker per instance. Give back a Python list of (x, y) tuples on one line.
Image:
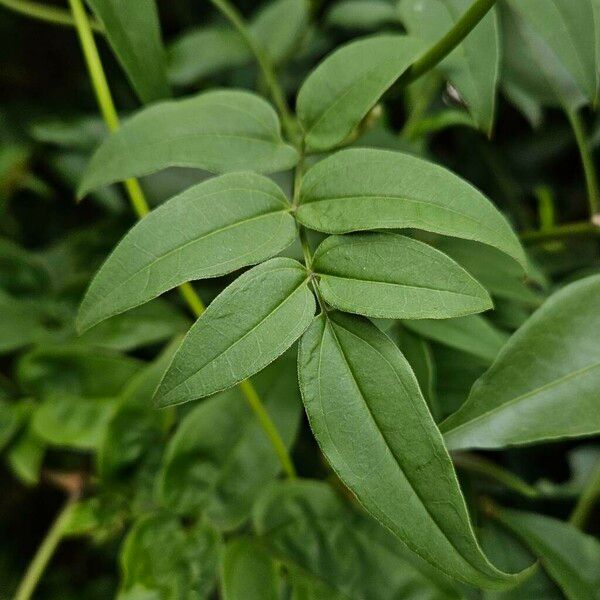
[(21, 272), (25, 456), (218, 131), (252, 322), (543, 385), (348, 83), (220, 459), (362, 14), (133, 32)]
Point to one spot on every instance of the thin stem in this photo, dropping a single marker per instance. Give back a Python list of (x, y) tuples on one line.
[(44, 553), (560, 231), (453, 38), (50, 14), (264, 62), (140, 205), (482, 466), (589, 170), (587, 500), (268, 426)]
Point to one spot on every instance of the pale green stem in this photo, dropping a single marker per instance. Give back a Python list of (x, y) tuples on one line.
[(44, 553), (587, 500), (264, 62), (560, 231), (140, 205), (482, 466), (453, 38), (50, 14), (589, 169)]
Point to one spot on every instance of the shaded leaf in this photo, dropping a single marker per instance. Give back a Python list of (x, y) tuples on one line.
[(211, 229), (373, 425), (218, 131), (549, 367), (344, 87), (25, 456), (360, 189), (133, 32), (252, 322), (394, 277)]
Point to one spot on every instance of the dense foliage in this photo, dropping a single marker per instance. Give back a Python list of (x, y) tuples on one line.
[(350, 348)]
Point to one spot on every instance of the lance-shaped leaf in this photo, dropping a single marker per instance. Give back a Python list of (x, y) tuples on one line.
[(391, 276), (348, 83), (544, 383), (213, 228), (473, 66), (473, 334), (133, 31), (247, 571), (550, 50), (220, 459), (373, 425), (253, 321), (343, 552), (570, 557), (360, 189), (218, 131)]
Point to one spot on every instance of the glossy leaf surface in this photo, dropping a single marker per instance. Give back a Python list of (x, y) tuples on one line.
[(549, 367), (211, 229), (362, 189), (218, 131), (373, 425), (394, 277), (252, 322)]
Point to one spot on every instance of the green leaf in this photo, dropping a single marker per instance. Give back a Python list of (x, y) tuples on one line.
[(145, 325), (21, 272), (134, 426), (472, 334), (348, 83), (202, 52), (9, 421), (211, 229), (253, 321), (498, 274), (247, 572), (510, 554), (362, 14), (219, 459), (160, 555), (342, 552), (360, 189), (473, 67), (391, 276), (25, 456), (219, 131), (373, 425), (133, 32), (570, 557), (550, 50), (549, 367)]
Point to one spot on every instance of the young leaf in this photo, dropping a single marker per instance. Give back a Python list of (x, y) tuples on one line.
[(219, 131), (247, 572), (211, 229), (360, 189), (133, 31), (220, 459), (342, 552), (473, 66), (251, 323), (162, 556), (550, 367), (348, 83), (472, 334), (387, 448), (571, 557), (391, 276), (550, 51)]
